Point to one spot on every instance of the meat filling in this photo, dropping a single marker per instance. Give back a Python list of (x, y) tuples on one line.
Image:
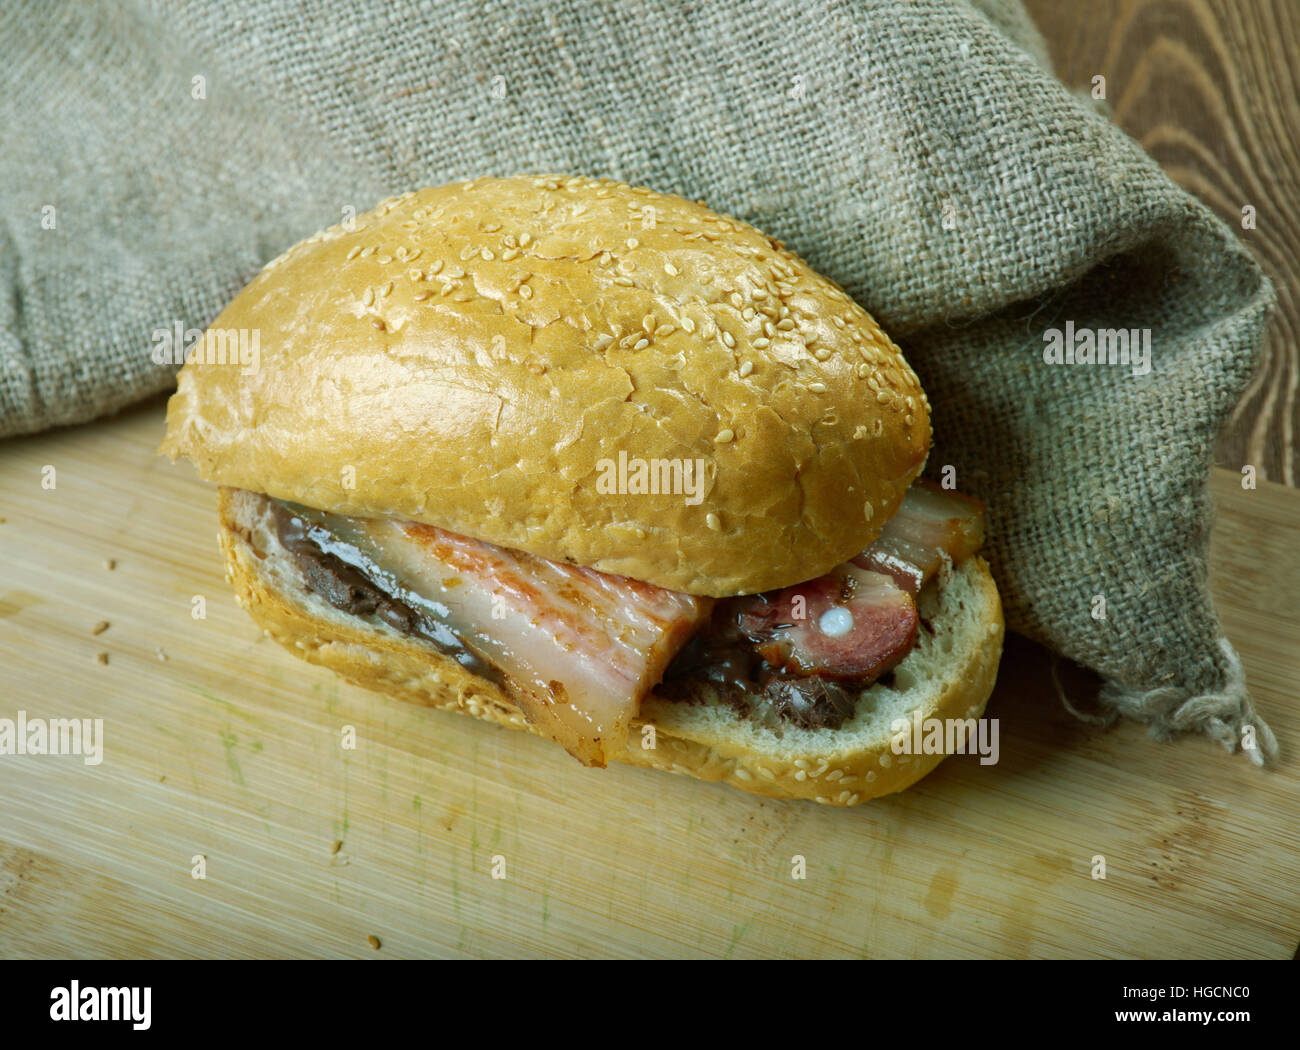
[(801, 656)]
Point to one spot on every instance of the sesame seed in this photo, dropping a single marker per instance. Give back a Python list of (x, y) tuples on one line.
[(725, 435), (671, 270), (785, 325), (368, 297), (664, 330), (729, 340), (821, 353), (385, 259), (626, 282), (747, 313), (688, 324), (863, 371), (525, 239), (712, 521), (736, 300), (626, 266), (368, 250), (762, 342), (487, 255), (603, 341), (353, 252), (859, 433), (510, 253), (868, 511), (435, 266), (746, 367), (769, 329), (648, 323), (817, 388), (455, 272), (387, 290), (632, 242), (883, 397), (525, 292), (492, 227), (378, 322), (641, 344), (420, 297)]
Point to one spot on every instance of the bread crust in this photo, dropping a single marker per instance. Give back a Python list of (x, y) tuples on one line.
[(477, 356), (833, 767)]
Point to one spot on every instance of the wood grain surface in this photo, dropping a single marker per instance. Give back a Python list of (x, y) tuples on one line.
[(220, 745), (1211, 90)]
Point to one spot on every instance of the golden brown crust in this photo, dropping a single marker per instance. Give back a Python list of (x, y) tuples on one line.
[(470, 356), (844, 772)]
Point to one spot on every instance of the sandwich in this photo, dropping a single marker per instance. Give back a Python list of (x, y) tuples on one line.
[(601, 464)]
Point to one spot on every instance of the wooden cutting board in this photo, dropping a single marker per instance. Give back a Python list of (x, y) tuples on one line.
[(229, 749)]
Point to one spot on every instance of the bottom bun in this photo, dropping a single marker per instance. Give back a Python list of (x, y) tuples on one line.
[(948, 675)]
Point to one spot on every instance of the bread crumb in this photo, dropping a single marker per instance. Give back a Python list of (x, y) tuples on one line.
[(110, 564), (100, 627), (102, 658), (161, 655), (338, 845), (373, 941)]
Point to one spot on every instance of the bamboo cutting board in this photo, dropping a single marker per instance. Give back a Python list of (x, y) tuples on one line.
[(220, 745)]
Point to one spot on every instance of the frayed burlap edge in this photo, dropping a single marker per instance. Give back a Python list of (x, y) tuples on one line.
[(1224, 716)]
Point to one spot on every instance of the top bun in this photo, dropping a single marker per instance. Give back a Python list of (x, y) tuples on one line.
[(478, 356)]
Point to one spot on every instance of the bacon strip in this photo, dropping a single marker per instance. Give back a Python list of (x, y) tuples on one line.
[(930, 524), (581, 648)]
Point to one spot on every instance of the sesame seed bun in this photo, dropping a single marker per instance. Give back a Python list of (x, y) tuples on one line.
[(948, 675), (478, 356)]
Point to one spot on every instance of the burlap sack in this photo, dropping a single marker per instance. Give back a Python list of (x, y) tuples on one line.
[(920, 153)]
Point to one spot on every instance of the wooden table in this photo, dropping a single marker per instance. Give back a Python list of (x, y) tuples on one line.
[(229, 750), (1210, 88)]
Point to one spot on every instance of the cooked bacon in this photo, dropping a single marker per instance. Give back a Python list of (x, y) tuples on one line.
[(581, 648), (850, 623), (931, 523)]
